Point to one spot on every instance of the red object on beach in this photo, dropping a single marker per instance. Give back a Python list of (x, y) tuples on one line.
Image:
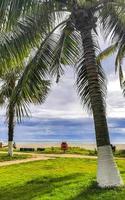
[(64, 146)]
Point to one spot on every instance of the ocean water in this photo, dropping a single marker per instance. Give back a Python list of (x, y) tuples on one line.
[(36, 130)]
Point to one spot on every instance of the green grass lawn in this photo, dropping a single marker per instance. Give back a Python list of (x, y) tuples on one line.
[(59, 179), (5, 157)]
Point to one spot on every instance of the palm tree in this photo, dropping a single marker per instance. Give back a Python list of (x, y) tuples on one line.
[(8, 84), (9, 81), (15, 33), (73, 41)]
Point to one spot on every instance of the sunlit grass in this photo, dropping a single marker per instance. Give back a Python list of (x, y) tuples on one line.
[(59, 179)]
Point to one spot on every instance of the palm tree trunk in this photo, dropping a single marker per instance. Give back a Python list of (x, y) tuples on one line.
[(107, 172), (10, 130)]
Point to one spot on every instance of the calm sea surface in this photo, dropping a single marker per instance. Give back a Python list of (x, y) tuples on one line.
[(36, 130)]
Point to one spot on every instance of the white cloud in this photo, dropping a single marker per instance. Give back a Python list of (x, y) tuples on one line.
[(115, 99), (62, 102)]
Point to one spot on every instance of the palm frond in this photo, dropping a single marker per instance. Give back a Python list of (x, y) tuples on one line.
[(17, 44), (12, 10), (3, 92), (61, 5), (30, 93), (84, 89), (113, 19), (65, 50), (90, 80), (119, 63), (30, 86), (107, 52), (123, 88), (34, 74)]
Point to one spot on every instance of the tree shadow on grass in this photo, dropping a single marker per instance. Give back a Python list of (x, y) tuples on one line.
[(37, 187), (93, 192)]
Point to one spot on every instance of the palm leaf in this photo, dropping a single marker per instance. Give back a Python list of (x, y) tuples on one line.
[(30, 94), (119, 63), (17, 44), (107, 52), (113, 19), (98, 78), (12, 10), (84, 89), (65, 52), (37, 68), (33, 77)]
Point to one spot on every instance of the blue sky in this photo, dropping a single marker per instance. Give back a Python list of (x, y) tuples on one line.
[(52, 130)]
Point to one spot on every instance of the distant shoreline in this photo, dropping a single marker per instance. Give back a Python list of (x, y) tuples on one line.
[(47, 144), (57, 144)]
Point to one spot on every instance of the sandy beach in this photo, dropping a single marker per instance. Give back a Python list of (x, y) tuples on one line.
[(46, 145)]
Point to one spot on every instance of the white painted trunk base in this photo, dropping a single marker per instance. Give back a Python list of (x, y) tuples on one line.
[(107, 173), (10, 148)]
